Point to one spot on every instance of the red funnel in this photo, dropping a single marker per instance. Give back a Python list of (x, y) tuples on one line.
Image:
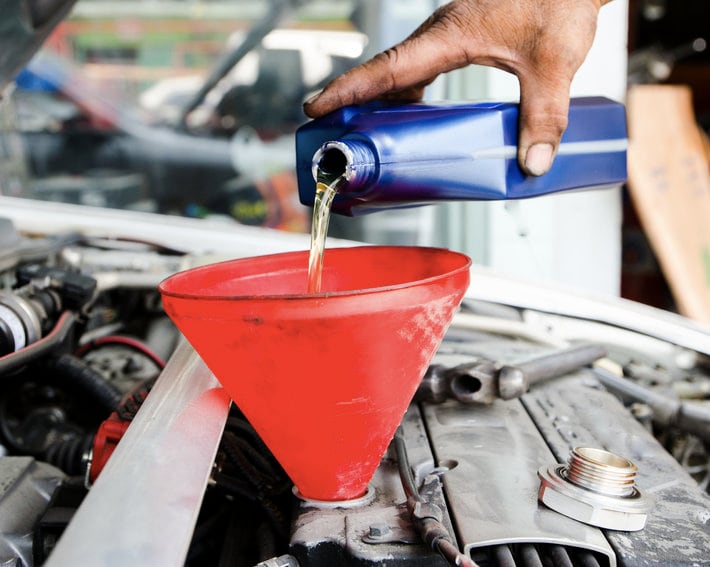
[(324, 378)]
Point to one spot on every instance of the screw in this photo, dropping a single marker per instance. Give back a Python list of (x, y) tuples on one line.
[(379, 530)]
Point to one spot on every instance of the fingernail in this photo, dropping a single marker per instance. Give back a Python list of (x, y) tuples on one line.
[(538, 159), (311, 99)]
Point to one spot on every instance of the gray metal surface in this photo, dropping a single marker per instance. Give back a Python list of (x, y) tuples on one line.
[(379, 533), (492, 491), (574, 411), (26, 487), (143, 508)]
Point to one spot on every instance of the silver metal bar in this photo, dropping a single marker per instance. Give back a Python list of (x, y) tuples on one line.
[(688, 416), (142, 509)]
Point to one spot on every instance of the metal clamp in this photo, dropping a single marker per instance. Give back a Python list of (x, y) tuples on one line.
[(596, 487)]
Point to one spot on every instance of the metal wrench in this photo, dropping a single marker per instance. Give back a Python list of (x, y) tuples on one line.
[(483, 381)]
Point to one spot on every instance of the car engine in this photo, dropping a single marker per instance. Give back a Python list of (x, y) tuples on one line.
[(526, 385), (551, 428)]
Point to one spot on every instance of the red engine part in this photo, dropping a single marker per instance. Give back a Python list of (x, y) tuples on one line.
[(110, 432)]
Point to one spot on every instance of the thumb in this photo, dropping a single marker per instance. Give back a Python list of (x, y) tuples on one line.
[(543, 118)]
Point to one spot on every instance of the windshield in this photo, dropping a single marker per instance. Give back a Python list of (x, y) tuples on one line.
[(185, 108)]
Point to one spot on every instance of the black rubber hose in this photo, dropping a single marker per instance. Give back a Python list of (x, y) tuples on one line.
[(254, 466), (238, 487), (75, 373), (69, 454)]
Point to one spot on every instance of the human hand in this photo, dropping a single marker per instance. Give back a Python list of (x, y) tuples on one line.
[(542, 42)]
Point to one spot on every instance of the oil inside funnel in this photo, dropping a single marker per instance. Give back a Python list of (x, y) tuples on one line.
[(324, 378)]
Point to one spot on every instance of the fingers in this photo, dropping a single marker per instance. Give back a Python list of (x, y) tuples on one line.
[(542, 121), (545, 76), (381, 76), (543, 42), (401, 72)]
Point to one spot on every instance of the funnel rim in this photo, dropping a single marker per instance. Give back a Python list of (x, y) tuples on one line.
[(306, 296)]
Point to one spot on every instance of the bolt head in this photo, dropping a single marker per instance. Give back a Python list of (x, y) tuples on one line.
[(379, 529)]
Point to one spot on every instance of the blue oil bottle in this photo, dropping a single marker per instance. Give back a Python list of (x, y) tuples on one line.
[(403, 155)]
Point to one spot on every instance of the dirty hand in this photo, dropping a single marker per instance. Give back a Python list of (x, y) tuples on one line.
[(543, 42)]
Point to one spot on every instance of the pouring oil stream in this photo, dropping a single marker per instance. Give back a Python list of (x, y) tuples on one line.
[(325, 193)]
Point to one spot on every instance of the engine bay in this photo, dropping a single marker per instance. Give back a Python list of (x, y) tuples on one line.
[(108, 417), (552, 428)]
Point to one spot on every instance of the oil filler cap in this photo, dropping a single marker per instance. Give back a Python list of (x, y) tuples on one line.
[(596, 487)]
